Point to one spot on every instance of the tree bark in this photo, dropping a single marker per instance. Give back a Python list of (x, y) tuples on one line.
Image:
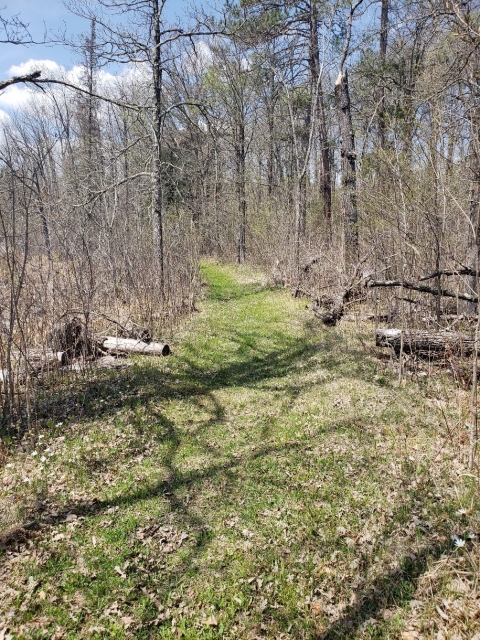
[(348, 169), (422, 288), (425, 342), (381, 89), (31, 77), (157, 190), (316, 90), (473, 246), (241, 192)]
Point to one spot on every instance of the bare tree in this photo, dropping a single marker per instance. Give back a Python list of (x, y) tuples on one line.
[(347, 149)]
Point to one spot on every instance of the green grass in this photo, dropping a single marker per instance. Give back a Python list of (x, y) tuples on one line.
[(268, 480)]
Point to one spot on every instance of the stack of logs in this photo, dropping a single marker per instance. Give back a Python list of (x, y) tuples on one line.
[(69, 341)]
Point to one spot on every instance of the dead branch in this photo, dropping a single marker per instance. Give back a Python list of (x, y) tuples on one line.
[(31, 77), (466, 271), (421, 288)]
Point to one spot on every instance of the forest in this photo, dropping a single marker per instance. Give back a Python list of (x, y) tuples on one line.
[(336, 145), (316, 158)]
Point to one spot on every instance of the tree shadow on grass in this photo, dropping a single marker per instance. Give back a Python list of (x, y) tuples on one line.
[(180, 490), (395, 587), (181, 514), (143, 383), (197, 373)]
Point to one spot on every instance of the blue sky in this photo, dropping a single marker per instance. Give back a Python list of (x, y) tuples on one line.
[(50, 17), (53, 16)]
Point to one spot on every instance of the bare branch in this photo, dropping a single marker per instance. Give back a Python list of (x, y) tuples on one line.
[(448, 272), (31, 77), (422, 289)]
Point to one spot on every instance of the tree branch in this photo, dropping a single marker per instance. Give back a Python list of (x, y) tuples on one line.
[(31, 77), (466, 271), (421, 288)]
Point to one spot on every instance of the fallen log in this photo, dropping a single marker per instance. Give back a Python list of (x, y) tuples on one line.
[(433, 343), (45, 356), (368, 317), (130, 345), (119, 361), (40, 360), (33, 363), (422, 288)]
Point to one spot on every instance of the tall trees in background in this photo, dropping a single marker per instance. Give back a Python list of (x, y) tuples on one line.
[(137, 34), (348, 161), (279, 134), (294, 135), (230, 104)]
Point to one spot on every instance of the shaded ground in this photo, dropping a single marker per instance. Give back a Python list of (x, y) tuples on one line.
[(268, 480)]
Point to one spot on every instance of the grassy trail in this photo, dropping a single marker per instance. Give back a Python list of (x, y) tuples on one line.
[(268, 480)]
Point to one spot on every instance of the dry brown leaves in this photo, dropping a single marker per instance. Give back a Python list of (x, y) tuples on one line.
[(166, 539)]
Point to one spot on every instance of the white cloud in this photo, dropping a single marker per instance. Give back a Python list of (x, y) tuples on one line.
[(204, 53), (75, 74), (18, 96), (15, 97), (197, 59), (33, 65)]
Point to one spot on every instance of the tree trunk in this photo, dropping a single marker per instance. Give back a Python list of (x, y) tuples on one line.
[(348, 169), (326, 177), (157, 191), (473, 246), (241, 194), (298, 228), (316, 90), (381, 89), (271, 135)]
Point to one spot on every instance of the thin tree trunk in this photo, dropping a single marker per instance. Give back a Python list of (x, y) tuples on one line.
[(271, 136), (157, 191), (241, 194), (348, 169), (473, 247), (326, 177), (43, 218), (383, 56), (298, 230), (316, 90)]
